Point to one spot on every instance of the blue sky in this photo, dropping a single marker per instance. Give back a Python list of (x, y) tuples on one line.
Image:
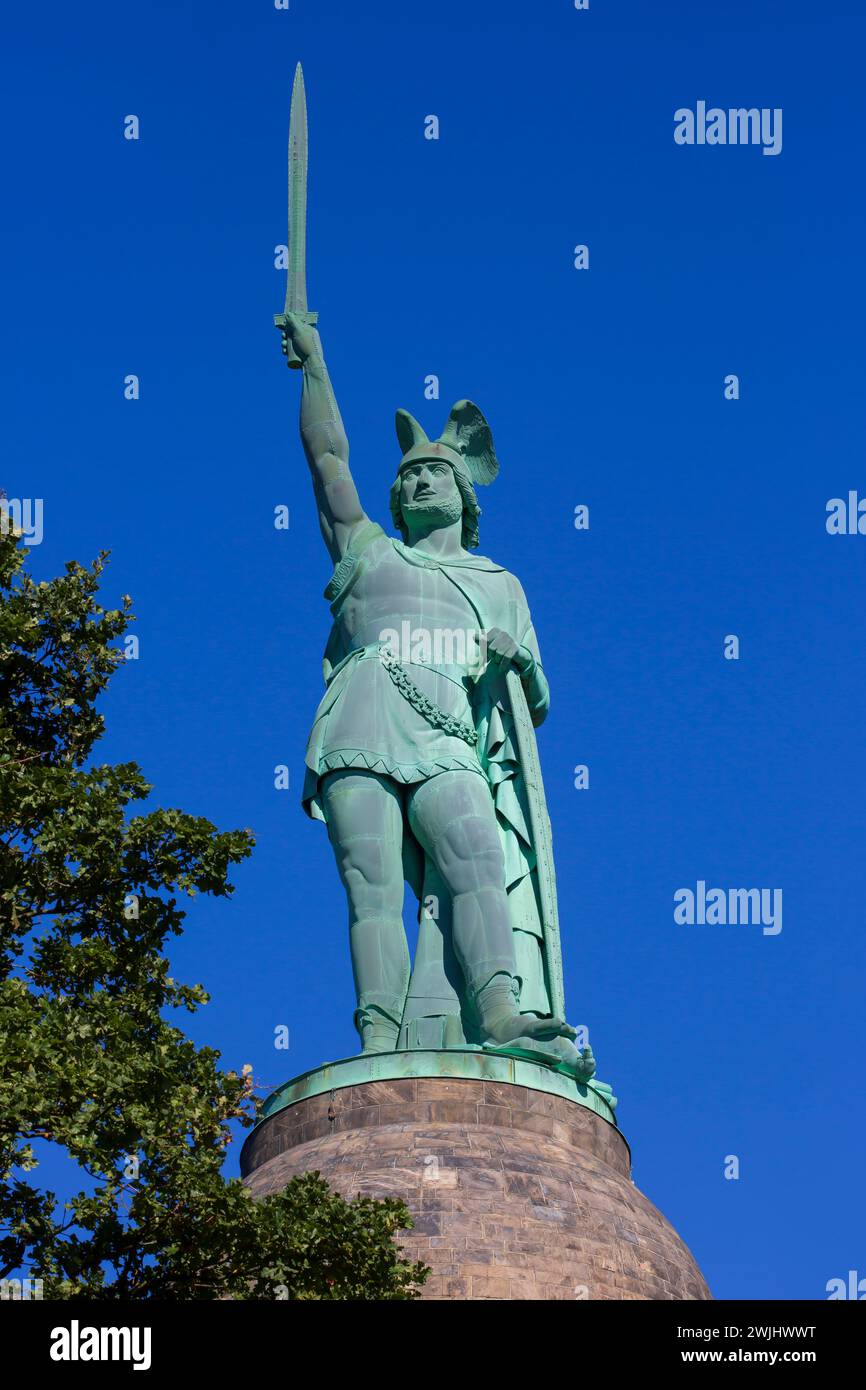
[(604, 388)]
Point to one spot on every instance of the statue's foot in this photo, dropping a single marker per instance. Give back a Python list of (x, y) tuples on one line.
[(516, 1026), (379, 1033), (502, 1022), (581, 1064)]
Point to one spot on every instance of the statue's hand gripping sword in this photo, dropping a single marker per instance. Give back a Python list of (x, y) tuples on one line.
[(296, 280)]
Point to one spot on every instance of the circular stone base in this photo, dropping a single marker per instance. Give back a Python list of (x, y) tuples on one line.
[(515, 1193)]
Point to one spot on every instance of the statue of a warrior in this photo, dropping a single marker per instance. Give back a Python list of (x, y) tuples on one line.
[(422, 759)]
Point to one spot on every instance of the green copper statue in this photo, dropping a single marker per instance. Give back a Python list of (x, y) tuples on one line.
[(422, 759)]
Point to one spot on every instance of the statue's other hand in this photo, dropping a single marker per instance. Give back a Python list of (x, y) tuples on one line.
[(504, 651), (303, 338)]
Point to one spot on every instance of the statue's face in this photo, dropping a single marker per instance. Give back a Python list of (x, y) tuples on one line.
[(429, 494)]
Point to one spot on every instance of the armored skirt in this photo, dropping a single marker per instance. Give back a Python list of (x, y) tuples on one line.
[(365, 722)]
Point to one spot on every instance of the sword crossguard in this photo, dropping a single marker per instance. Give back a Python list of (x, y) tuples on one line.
[(306, 316)]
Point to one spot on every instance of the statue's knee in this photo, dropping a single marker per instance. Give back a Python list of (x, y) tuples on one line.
[(373, 882), (471, 856)]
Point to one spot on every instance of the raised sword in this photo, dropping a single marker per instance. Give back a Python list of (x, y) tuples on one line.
[(296, 278)]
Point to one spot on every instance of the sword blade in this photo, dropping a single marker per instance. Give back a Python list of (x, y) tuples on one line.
[(296, 280)]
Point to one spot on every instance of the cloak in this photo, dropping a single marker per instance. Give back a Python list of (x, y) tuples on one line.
[(437, 1013)]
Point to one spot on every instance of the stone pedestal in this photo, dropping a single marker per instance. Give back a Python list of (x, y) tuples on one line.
[(516, 1192)]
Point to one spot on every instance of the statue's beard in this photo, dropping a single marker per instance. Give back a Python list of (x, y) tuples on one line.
[(439, 513)]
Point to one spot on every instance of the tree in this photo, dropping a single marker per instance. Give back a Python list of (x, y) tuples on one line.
[(89, 895)]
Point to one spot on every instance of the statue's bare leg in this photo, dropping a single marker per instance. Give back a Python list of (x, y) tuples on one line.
[(453, 818), (364, 815)]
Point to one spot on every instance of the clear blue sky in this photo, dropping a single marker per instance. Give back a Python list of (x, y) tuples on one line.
[(605, 388)]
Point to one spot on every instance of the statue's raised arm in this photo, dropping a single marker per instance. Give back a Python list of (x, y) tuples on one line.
[(325, 443), (324, 440)]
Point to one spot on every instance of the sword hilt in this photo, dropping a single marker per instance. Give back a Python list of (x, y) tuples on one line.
[(306, 316)]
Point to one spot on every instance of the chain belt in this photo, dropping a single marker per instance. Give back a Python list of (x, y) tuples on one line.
[(425, 707)]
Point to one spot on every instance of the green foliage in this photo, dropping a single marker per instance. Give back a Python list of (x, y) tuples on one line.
[(89, 895)]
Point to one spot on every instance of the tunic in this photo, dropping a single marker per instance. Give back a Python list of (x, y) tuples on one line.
[(384, 591)]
